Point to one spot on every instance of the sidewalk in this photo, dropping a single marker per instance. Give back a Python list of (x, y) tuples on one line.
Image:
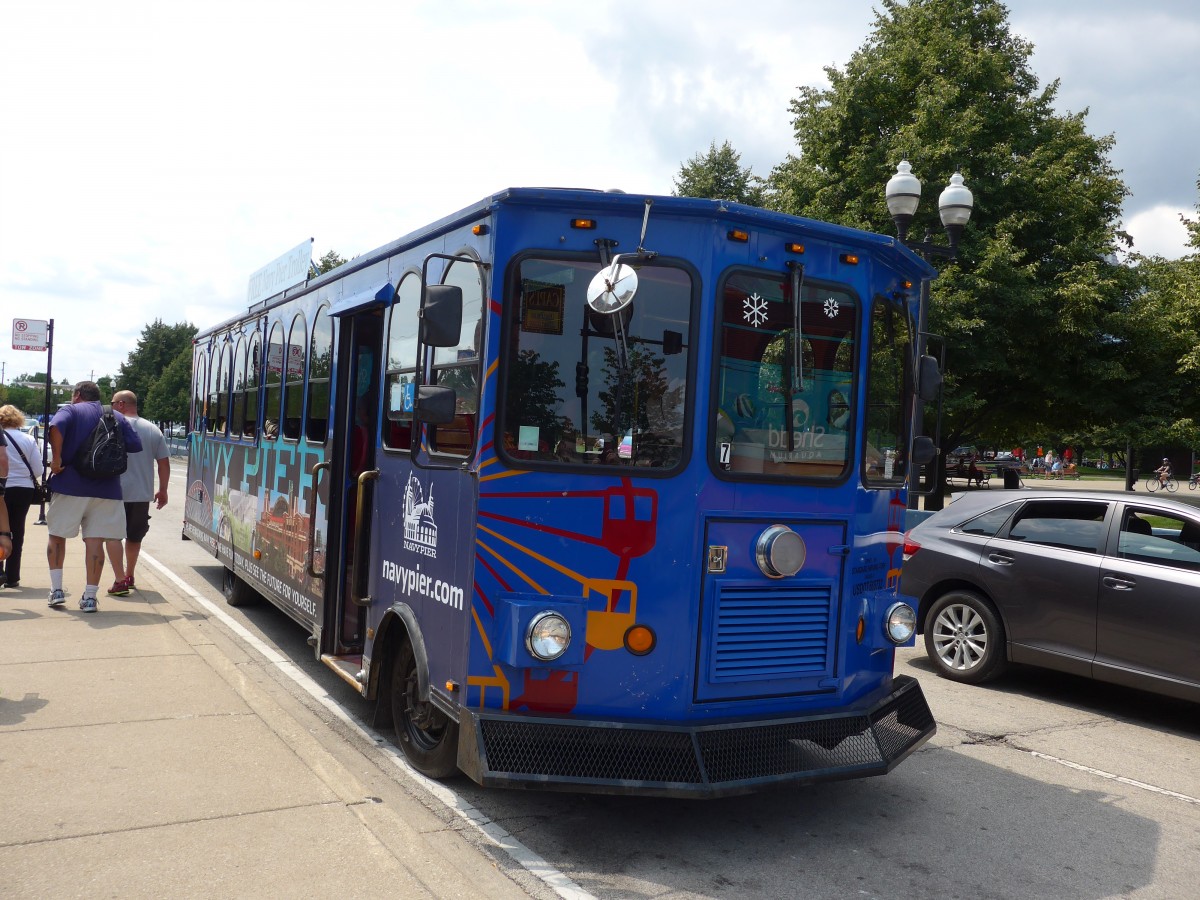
[(145, 753)]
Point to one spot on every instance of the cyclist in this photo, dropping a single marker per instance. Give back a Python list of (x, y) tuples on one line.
[(1163, 472)]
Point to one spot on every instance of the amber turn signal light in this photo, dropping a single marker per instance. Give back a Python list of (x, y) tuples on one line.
[(640, 639)]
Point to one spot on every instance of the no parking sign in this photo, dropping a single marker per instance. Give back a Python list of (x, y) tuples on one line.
[(29, 334)]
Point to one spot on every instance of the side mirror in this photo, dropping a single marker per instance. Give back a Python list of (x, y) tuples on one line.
[(435, 404), (929, 378), (924, 450), (441, 315)]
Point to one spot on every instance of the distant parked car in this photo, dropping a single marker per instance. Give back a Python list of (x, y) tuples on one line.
[(1101, 585), (32, 427), (179, 431)]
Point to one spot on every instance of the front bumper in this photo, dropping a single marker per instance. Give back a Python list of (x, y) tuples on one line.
[(702, 760)]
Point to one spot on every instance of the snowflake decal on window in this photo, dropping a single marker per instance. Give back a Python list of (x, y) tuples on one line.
[(754, 310), (831, 307)]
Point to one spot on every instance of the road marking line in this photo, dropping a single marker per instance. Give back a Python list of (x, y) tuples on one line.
[(491, 830), (1111, 777)]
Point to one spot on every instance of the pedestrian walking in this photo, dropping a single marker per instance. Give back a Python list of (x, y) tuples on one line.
[(25, 469), (5, 533), (137, 491), (79, 503)]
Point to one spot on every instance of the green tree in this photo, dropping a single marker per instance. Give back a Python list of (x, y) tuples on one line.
[(329, 262), (1157, 333), (1025, 310), (533, 392), (156, 349), (719, 175), (169, 398)]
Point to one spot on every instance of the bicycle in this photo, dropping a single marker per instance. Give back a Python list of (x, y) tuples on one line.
[(1153, 484)]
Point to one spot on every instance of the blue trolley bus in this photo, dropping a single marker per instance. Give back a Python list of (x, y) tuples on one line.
[(592, 491)]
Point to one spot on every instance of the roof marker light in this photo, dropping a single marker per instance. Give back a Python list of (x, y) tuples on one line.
[(586, 224), (736, 234), (850, 259)]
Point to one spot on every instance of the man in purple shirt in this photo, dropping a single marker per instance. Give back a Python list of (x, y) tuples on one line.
[(78, 502)]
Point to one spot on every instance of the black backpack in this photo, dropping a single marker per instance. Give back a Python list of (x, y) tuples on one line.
[(103, 453)]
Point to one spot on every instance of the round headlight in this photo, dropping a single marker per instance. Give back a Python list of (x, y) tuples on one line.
[(900, 624), (548, 636)]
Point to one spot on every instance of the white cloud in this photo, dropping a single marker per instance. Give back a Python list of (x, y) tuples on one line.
[(1158, 231)]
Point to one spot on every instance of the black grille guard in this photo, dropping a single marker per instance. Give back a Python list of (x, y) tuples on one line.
[(701, 760)]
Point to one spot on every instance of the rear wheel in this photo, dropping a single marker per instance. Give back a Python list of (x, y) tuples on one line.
[(1172, 485), (964, 638), (427, 736), (236, 591)]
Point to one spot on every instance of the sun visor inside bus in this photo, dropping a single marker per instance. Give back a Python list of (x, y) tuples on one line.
[(374, 296)]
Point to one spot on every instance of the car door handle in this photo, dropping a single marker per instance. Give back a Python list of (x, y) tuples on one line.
[(1119, 584), (1001, 559)]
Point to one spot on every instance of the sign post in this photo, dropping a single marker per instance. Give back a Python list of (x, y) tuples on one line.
[(38, 335)]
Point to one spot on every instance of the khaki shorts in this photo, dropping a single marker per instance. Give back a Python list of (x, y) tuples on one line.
[(99, 518)]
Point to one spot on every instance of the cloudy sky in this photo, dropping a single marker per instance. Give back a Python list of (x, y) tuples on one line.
[(154, 155)]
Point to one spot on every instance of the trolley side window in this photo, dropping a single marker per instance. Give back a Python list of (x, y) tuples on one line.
[(889, 392), (785, 377), (239, 389), (218, 392), (320, 364), (249, 422), (458, 367), (199, 409), (293, 382), (401, 363), (272, 388)]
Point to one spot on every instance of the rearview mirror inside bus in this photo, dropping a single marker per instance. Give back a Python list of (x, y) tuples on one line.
[(435, 404), (929, 378), (441, 315)]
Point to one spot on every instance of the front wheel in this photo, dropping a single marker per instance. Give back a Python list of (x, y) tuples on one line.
[(964, 638), (427, 736), (1152, 484)]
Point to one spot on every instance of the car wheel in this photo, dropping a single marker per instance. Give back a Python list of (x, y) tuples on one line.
[(428, 737), (964, 638)]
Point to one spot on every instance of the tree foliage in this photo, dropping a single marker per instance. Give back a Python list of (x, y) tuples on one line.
[(1027, 309), (329, 262), (156, 349), (718, 174), (168, 399)]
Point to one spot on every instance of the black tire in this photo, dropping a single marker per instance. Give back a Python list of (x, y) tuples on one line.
[(1153, 484), (236, 591), (427, 735), (965, 638)]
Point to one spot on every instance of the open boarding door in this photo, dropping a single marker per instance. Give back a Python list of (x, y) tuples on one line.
[(356, 393)]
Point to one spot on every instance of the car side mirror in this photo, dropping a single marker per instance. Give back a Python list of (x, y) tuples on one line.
[(929, 378), (441, 315)]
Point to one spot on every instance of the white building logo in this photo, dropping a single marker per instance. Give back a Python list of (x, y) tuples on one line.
[(420, 530)]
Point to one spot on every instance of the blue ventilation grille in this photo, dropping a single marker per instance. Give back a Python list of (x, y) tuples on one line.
[(763, 633)]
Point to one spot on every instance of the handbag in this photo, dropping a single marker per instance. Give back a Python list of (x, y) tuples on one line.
[(40, 493)]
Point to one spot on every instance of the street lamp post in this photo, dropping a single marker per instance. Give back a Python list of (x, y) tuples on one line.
[(903, 193)]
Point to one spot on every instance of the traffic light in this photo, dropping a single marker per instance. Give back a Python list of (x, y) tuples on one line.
[(581, 379)]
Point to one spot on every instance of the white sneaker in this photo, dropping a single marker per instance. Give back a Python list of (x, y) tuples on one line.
[(57, 599), (87, 604)]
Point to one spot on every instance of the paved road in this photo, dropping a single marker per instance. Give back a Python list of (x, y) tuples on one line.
[(1040, 786)]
